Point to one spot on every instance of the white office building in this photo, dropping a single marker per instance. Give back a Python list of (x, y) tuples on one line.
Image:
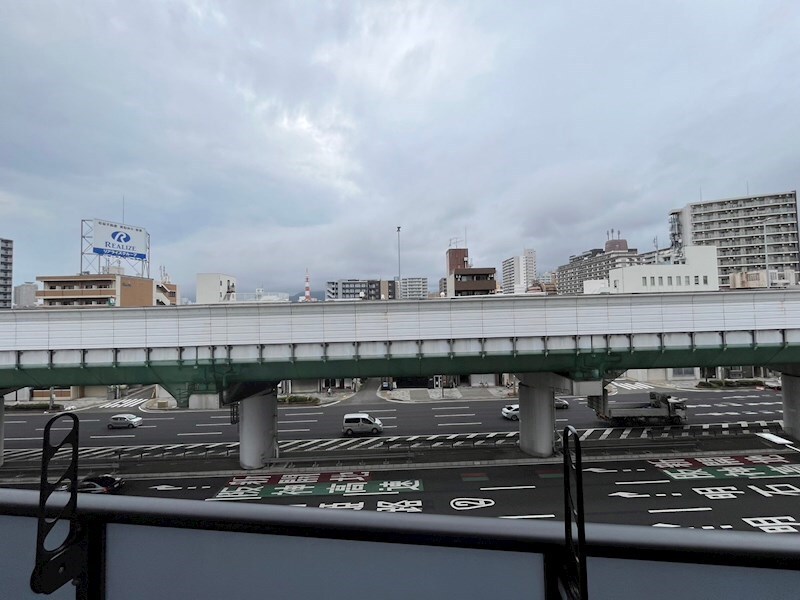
[(750, 233), (215, 288), (519, 272), (692, 269)]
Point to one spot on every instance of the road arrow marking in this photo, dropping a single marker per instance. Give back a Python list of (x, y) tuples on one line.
[(629, 495), (164, 487)]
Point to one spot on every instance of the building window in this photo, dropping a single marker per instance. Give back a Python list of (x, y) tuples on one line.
[(683, 371), (660, 280), (686, 280), (644, 281), (653, 281), (705, 279), (669, 280), (697, 280), (678, 279)]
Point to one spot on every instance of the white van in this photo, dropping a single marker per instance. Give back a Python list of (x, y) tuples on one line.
[(361, 423)]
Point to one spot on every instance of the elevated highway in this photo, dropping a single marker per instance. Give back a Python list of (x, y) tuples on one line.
[(241, 351)]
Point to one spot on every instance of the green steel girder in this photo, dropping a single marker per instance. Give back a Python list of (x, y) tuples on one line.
[(182, 379)]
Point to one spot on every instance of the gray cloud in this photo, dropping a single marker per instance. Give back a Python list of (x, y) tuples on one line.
[(264, 139)]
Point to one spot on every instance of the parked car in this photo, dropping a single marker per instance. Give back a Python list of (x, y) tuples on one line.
[(561, 402), (124, 421), (361, 423), (96, 484), (511, 411)]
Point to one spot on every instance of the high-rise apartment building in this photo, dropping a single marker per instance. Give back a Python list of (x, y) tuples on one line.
[(594, 264), (750, 232), (519, 272), (25, 295), (6, 271), (360, 289), (414, 288)]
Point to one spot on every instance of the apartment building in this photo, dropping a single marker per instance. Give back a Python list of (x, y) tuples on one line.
[(25, 295), (360, 289), (750, 233), (594, 264), (414, 288), (214, 288), (519, 272), (6, 272), (105, 289)]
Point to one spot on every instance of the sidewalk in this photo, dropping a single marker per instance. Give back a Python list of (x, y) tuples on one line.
[(413, 395)]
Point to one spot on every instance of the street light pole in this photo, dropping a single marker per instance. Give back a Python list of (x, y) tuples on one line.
[(397, 291)]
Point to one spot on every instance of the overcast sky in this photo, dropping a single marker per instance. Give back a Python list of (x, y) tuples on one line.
[(261, 139)]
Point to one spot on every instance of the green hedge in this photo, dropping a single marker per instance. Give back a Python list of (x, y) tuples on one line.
[(729, 383), (295, 399), (34, 406)]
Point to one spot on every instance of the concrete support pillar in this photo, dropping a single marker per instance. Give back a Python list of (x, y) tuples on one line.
[(258, 429), (2, 428), (791, 405), (537, 415)]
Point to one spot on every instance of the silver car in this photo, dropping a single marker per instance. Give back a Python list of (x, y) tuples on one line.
[(126, 421)]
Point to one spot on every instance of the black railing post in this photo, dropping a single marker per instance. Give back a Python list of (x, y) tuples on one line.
[(573, 580)]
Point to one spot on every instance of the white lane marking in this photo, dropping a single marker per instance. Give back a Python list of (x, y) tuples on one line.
[(456, 415), (105, 437), (15, 422), (306, 414), (211, 424), (528, 517), (559, 420), (508, 487), (163, 418), (449, 407), (642, 482), (390, 426), (625, 433), (203, 433), (586, 434), (290, 430), (456, 424), (771, 437), (22, 440), (605, 434), (147, 426), (670, 510), (300, 421), (383, 410)]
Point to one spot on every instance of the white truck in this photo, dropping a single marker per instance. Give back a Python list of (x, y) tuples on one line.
[(662, 409)]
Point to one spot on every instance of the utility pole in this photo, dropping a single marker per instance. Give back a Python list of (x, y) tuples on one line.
[(397, 291)]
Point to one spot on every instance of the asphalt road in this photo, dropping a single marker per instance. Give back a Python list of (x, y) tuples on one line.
[(745, 492), (24, 430)]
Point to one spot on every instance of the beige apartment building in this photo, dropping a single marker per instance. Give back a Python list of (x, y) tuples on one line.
[(105, 289)]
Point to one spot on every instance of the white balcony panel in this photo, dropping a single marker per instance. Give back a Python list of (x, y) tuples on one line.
[(164, 354), (277, 352), (677, 340), (709, 339), (98, 356)]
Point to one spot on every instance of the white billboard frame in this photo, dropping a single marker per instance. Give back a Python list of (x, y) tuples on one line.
[(105, 243)]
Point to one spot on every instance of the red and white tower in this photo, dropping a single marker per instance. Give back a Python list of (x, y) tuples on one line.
[(307, 296)]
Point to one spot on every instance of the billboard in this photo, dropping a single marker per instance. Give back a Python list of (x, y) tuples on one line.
[(115, 239)]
